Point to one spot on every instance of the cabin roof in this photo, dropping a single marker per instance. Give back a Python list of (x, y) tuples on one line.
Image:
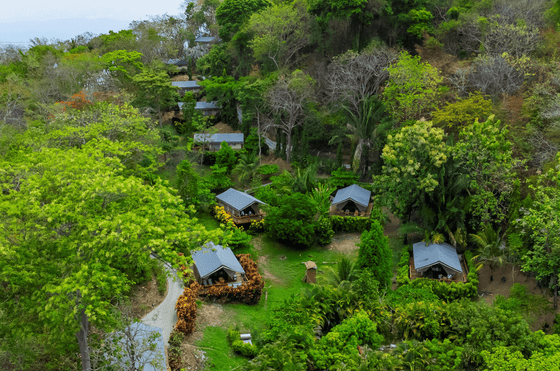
[(207, 105), (212, 258), (238, 200), (205, 39), (186, 84), (354, 193), (442, 253), (219, 138)]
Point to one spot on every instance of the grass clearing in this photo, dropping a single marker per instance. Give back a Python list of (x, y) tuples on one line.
[(219, 352)]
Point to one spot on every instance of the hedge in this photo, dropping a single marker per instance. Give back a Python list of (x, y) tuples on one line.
[(447, 291), (350, 224)]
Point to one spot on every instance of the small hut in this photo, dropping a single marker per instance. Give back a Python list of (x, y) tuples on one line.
[(214, 141), (184, 86), (310, 272), (242, 207), (436, 261), (351, 201), (216, 264)]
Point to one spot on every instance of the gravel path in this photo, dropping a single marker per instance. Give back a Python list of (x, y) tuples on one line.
[(164, 315)]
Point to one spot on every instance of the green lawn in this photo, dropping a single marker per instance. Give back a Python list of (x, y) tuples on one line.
[(207, 221), (220, 356)]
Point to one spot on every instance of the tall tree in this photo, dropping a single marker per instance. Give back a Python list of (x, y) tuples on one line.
[(232, 14), (155, 91), (375, 254), (280, 32), (288, 100), (75, 235), (366, 128), (541, 222)]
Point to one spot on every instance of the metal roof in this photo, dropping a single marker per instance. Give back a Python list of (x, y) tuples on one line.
[(354, 193), (205, 39), (180, 105), (238, 200), (213, 257), (428, 255), (186, 84), (219, 138), (206, 105)]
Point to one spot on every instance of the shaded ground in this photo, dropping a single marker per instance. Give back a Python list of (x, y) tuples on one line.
[(145, 297), (491, 289), (344, 242)]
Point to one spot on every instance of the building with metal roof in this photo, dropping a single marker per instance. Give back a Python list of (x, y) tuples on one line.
[(215, 263), (243, 207), (206, 39), (351, 199), (185, 86), (436, 260), (214, 141)]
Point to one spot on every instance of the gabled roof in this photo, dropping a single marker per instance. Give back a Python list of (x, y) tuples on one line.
[(205, 39), (238, 200), (206, 105), (442, 253), (354, 193), (212, 258), (219, 138), (186, 84)]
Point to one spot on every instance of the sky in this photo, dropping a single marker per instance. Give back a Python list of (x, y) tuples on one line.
[(21, 20)]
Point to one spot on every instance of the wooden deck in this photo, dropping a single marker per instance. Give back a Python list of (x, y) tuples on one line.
[(367, 213), (224, 283), (246, 219), (459, 278)]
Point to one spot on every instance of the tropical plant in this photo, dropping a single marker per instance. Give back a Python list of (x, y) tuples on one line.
[(321, 196), (366, 128), (247, 167), (346, 271), (491, 245)]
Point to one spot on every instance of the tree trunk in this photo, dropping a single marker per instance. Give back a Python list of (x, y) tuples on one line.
[(555, 290), (259, 134), (358, 156), (288, 146), (160, 122), (82, 336)]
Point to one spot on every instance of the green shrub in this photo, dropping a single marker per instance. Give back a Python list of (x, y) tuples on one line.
[(268, 169), (161, 277), (556, 325), (342, 178), (340, 345), (402, 268), (233, 335), (350, 224), (375, 254), (245, 349)]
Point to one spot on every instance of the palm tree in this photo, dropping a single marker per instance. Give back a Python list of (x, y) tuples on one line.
[(491, 247), (304, 181), (247, 167), (346, 271), (321, 196), (365, 130)]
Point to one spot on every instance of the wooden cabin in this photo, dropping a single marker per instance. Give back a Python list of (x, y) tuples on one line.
[(243, 207), (185, 86), (352, 201), (217, 265), (214, 142), (437, 261)]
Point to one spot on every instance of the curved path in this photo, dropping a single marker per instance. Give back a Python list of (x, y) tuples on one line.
[(164, 315)]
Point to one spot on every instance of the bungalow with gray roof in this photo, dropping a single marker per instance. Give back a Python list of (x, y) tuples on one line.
[(243, 207), (437, 261), (214, 141), (351, 201), (185, 86), (206, 40), (215, 264)]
